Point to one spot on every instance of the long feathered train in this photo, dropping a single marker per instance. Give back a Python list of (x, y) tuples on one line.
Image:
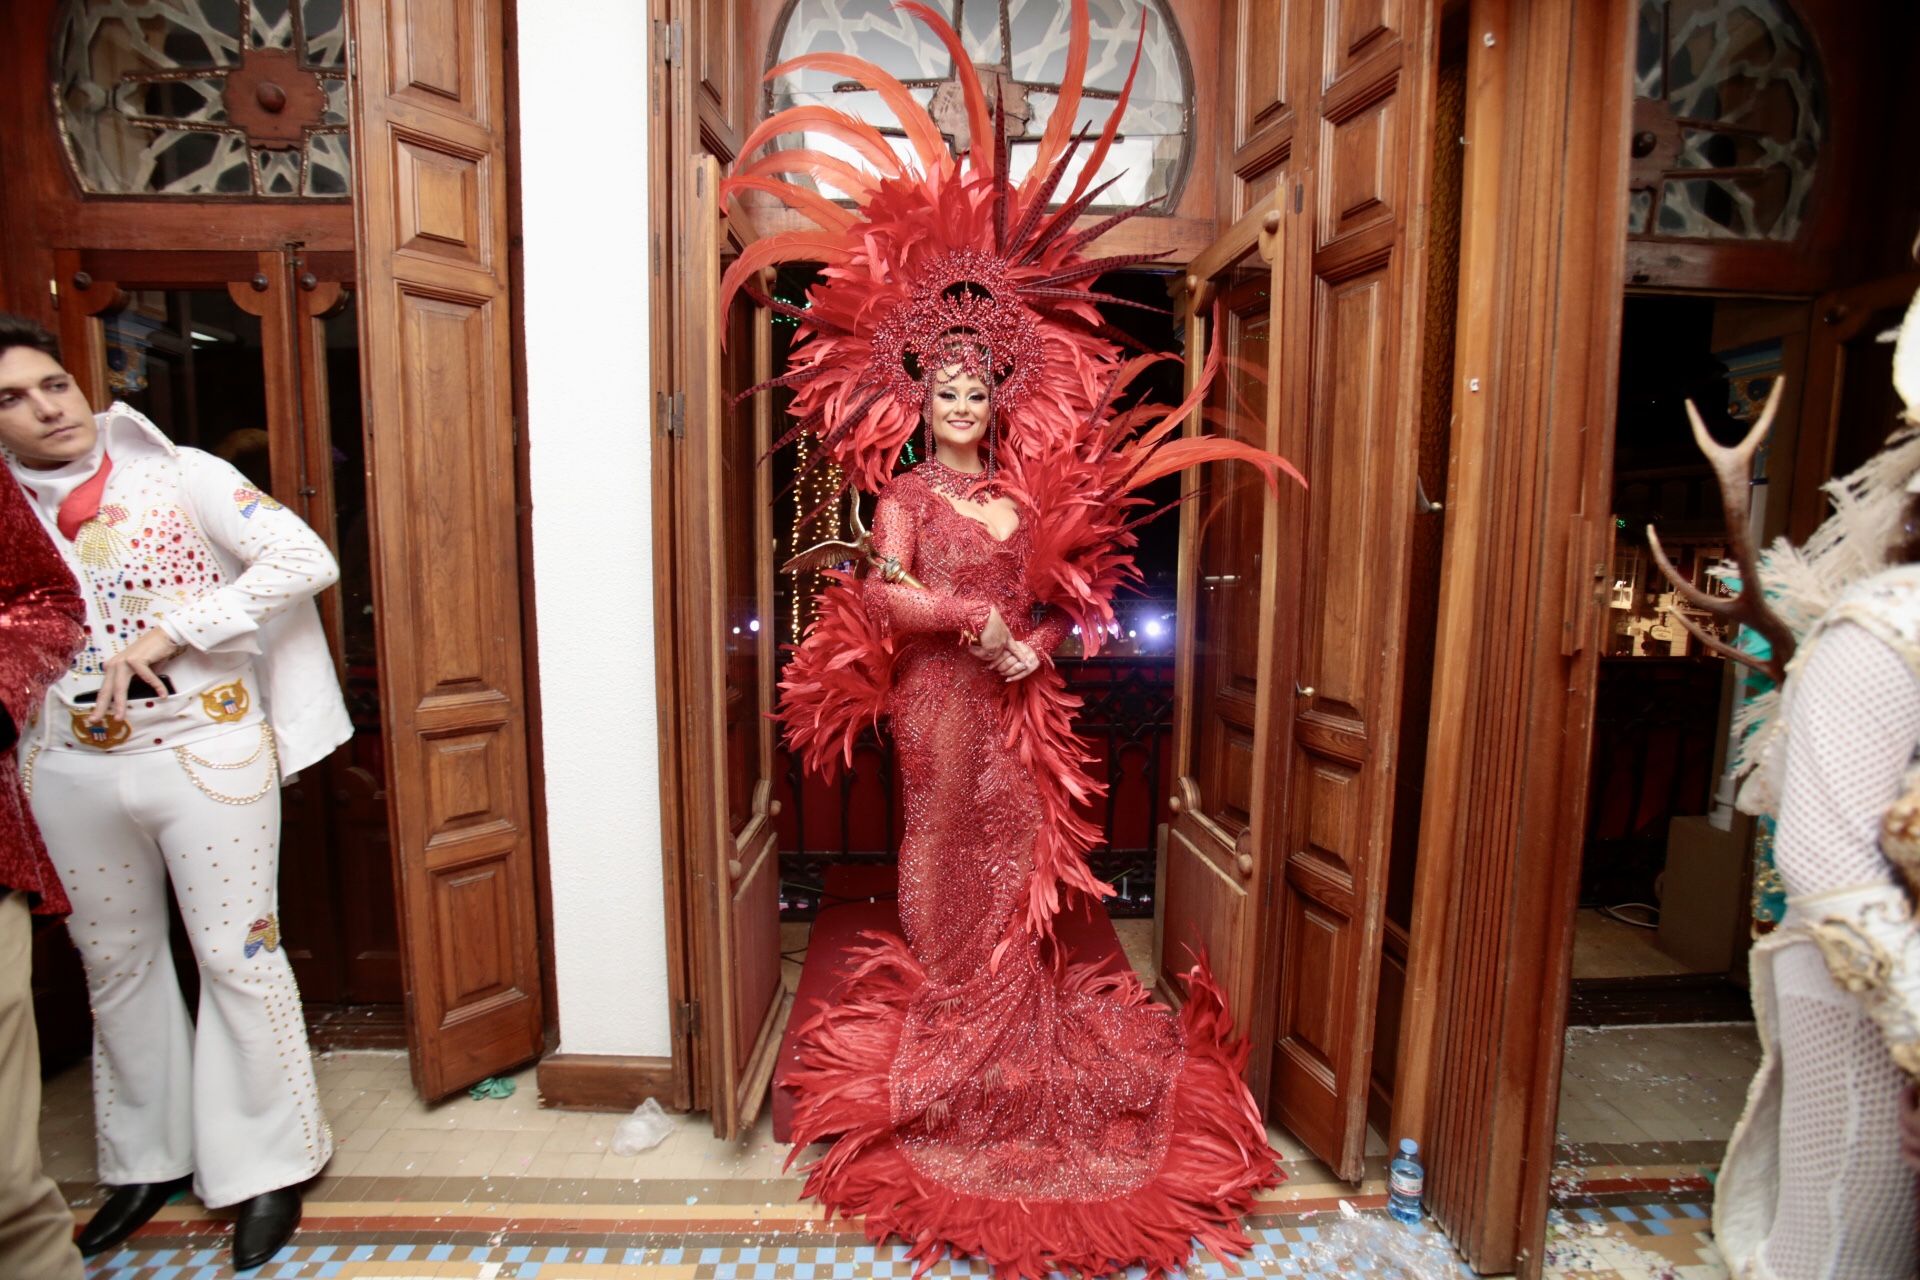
[(1205, 1185)]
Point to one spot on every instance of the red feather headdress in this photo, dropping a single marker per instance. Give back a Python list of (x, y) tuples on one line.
[(937, 248)]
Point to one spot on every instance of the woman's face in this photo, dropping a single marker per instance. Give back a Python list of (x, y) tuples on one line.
[(959, 408)]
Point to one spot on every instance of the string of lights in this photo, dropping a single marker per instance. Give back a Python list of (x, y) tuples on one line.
[(815, 488)]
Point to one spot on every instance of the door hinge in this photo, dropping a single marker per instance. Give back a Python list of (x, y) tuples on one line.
[(1589, 558), (668, 42), (656, 253), (686, 1017), (670, 413)]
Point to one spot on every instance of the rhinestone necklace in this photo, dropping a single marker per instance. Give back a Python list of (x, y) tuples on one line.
[(968, 486)]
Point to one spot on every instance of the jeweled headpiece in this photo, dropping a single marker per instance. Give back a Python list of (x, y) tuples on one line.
[(939, 255)]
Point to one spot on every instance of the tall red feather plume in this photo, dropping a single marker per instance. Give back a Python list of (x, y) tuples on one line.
[(979, 131), (927, 143), (1067, 106)]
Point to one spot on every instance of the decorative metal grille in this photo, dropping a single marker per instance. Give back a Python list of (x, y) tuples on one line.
[(1730, 118), (1127, 705), (1021, 44), (205, 97)]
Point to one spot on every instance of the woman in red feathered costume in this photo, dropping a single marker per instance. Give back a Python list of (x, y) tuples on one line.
[(980, 1095)]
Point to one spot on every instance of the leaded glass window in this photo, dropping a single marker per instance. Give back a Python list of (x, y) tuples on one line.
[(1728, 123), (1022, 44), (205, 97)]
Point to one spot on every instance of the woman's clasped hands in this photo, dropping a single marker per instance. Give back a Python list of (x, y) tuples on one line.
[(1009, 658)]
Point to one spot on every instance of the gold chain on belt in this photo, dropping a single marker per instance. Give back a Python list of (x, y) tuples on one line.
[(188, 761)]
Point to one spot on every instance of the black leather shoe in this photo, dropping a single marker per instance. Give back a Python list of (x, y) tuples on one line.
[(125, 1212), (265, 1223)]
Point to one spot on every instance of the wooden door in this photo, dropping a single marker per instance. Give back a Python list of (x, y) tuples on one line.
[(1293, 611), (254, 357), (1227, 668), (430, 176), (1368, 107), (726, 532), (347, 860), (719, 66)]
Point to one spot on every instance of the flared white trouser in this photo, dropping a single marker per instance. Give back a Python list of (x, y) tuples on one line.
[(229, 1097)]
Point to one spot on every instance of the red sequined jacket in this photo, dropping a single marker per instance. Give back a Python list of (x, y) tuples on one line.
[(41, 613)]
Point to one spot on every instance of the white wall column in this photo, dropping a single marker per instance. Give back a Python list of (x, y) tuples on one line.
[(583, 192)]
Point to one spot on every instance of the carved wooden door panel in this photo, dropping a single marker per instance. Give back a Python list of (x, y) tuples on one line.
[(1367, 106), (430, 151), (721, 78), (1226, 661), (726, 533)]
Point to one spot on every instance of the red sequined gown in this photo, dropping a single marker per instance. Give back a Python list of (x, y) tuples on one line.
[(1042, 1115)]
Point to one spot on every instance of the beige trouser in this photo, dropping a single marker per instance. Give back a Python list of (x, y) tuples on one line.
[(36, 1227)]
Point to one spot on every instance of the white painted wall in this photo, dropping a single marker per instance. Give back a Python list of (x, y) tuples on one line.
[(583, 148)]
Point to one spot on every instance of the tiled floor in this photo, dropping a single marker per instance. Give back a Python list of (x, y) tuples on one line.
[(1631, 1086), (1645, 1113), (501, 1188)]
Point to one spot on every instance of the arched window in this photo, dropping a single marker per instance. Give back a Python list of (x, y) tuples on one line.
[(1022, 44), (1729, 118), (204, 97)]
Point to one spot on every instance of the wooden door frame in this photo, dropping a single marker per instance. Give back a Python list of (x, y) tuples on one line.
[(43, 210), (1524, 566)]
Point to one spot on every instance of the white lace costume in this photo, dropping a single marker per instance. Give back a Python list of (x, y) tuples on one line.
[(1813, 1185)]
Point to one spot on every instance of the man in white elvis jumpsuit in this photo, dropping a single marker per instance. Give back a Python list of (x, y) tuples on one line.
[(205, 678)]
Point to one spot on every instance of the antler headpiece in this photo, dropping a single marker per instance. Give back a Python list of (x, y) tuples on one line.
[(941, 260)]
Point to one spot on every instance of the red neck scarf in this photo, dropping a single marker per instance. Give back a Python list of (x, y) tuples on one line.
[(83, 504)]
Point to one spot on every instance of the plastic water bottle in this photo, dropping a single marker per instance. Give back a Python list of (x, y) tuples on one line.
[(1406, 1183)]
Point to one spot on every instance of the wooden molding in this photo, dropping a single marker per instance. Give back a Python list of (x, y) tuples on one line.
[(523, 526), (605, 1081)]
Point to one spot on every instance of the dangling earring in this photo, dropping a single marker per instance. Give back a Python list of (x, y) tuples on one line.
[(993, 444), (926, 425)]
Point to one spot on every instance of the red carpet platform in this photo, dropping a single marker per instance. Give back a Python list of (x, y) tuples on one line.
[(868, 903)]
